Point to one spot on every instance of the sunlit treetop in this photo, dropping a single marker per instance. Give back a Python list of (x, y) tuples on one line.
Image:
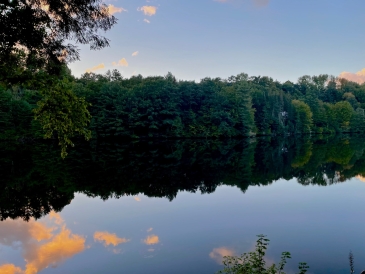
[(42, 34)]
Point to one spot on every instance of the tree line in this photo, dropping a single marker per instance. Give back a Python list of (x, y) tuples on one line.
[(164, 107)]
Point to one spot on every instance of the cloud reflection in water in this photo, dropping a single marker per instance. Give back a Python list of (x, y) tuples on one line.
[(43, 244), (151, 240), (217, 254), (109, 238)]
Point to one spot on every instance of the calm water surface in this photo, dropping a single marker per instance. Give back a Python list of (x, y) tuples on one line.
[(179, 207)]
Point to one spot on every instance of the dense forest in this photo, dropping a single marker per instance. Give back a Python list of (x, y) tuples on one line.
[(35, 180), (164, 107)]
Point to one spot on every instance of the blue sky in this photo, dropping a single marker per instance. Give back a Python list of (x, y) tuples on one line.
[(283, 39)]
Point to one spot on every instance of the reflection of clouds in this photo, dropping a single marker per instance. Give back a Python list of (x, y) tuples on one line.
[(150, 229), (56, 217), (42, 247), (362, 179), (40, 232), (151, 240), (137, 199), (109, 238), (10, 269), (12, 231), (217, 254), (62, 246), (117, 251)]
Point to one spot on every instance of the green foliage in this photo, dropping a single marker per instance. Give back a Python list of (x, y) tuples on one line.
[(163, 107), (343, 113), (38, 41), (60, 111), (303, 268), (34, 52), (254, 262), (303, 121), (15, 116), (5, 111), (214, 108)]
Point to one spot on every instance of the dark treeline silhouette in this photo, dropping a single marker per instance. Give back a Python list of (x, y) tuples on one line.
[(35, 180), (163, 107)]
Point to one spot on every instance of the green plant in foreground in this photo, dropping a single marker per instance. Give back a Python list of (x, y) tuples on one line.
[(254, 262)]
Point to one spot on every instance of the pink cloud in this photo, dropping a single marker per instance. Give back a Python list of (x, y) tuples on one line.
[(358, 77)]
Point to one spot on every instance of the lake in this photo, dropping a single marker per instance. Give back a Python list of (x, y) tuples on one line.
[(180, 206)]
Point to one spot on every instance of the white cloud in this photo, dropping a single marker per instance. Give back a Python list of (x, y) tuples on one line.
[(148, 10), (100, 66), (113, 9), (122, 62), (147, 21), (135, 53)]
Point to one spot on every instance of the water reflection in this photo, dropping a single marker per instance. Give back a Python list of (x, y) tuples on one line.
[(151, 240), (109, 238), (36, 181), (43, 244), (219, 253)]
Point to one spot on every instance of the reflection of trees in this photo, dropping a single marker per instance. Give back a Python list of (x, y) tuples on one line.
[(35, 180), (158, 170), (28, 201)]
